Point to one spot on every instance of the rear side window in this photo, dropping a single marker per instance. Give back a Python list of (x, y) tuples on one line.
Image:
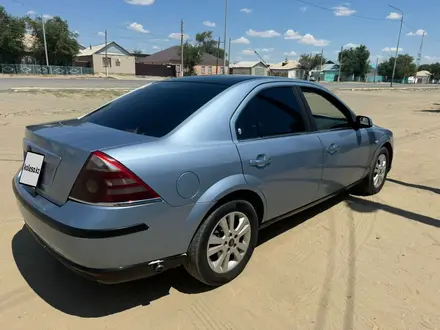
[(273, 111), (157, 109)]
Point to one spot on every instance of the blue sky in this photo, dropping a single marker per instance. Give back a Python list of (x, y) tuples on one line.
[(275, 28)]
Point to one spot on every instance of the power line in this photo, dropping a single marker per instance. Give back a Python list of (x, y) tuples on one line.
[(333, 10)]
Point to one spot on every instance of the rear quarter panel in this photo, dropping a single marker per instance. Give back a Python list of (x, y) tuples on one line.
[(184, 174)]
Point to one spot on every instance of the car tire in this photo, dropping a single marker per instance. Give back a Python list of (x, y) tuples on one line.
[(378, 169), (218, 254)]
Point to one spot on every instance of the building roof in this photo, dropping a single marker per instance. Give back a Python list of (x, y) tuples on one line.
[(172, 55), (285, 65), (246, 64), (330, 67), (98, 48), (423, 73)]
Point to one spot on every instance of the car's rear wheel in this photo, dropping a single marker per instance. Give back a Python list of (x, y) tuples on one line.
[(376, 178), (223, 244)]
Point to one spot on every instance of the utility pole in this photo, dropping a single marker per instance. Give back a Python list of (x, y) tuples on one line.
[(419, 55), (340, 63), (229, 54), (398, 42), (45, 43), (218, 54), (320, 68), (106, 58), (225, 35), (181, 48)]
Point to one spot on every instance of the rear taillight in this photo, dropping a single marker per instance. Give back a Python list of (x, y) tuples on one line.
[(105, 180)]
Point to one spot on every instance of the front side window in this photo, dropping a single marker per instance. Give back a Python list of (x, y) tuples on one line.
[(203, 69), (209, 69), (325, 111), (272, 112)]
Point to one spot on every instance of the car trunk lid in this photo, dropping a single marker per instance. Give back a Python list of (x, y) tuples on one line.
[(66, 147)]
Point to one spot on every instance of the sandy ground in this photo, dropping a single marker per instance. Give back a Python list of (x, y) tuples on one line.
[(352, 263)]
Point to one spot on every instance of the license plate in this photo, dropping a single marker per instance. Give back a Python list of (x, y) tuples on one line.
[(32, 167)]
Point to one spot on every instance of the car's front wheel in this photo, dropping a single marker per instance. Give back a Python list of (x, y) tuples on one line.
[(223, 244), (375, 179)]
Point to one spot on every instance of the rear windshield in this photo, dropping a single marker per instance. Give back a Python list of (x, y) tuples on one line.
[(157, 109)]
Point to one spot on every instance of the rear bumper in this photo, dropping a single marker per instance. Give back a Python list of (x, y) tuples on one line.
[(114, 275), (97, 240)]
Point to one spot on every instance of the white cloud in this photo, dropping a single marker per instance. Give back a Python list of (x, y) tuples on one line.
[(209, 23), (263, 34), (292, 35), (136, 27), (351, 45), (343, 11), (157, 48), (268, 50), (309, 39), (292, 53), (303, 9), (266, 57), (141, 2), (241, 40), (47, 16), (101, 34), (419, 32), (31, 13), (392, 49), (432, 59), (176, 35), (246, 10), (247, 52), (394, 15)]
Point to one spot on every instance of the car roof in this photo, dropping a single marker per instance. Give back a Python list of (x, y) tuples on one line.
[(230, 80)]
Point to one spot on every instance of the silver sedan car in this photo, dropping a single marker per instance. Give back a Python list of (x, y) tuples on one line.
[(186, 171)]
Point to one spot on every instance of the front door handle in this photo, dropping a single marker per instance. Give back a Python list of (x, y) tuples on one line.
[(332, 149), (260, 161)]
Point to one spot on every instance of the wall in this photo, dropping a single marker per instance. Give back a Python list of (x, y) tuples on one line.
[(297, 74), (207, 71), (127, 64), (330, 75), (246, 71)]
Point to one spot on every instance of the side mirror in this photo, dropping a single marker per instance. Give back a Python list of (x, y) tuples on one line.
[(363, 122)]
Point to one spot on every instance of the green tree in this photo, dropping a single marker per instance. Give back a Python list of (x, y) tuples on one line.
[(310, 61), (208, 44), (405, 67), (62, 45), (137, 52), (12, 31), (355, 61), (192, 56)]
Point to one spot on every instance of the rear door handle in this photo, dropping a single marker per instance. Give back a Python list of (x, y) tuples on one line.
[(332, 149), (260, 161)]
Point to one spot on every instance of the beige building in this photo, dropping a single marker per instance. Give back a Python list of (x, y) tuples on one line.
[(288, 69), (210, 64), (118, 60), (252, 68)]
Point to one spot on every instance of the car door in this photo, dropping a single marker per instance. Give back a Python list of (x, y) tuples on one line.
[(347, 150), (279, 155)]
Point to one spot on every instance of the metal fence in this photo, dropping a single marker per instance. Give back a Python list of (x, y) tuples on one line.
[(43, 69)]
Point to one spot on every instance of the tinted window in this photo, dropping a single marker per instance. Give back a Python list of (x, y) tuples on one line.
[(271, 112), (157, 109), (326, 114)]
